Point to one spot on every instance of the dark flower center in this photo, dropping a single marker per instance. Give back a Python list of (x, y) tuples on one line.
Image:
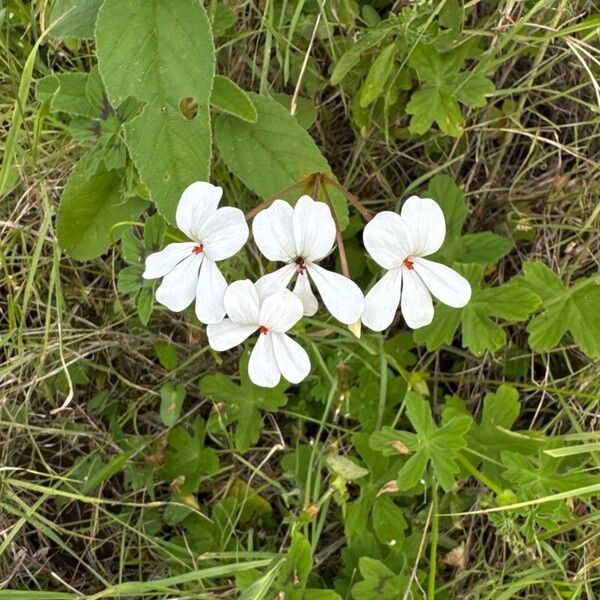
[(300, 264), (263, 329), (409, 264), (197, 249)]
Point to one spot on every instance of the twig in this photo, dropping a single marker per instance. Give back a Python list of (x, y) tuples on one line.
[(413, 573), (254, 211), (366, 214), (294, 102), (338, 234)]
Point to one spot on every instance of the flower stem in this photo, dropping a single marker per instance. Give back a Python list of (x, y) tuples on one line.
[(478, 474), (338, 234), (366, 214), (254, 211), (435, 522)]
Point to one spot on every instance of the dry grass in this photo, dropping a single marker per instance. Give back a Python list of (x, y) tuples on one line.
[(532, 157)]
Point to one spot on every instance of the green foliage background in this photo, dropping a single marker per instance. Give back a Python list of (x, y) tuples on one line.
[(456, 461)]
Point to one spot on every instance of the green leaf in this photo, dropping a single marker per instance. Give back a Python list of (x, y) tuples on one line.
[(131, 248), (306, 113), (145, 304), (379, 582), (90, 209), (67, 92), (451, 199), (320, 594), (379, 73), (430, 105), (243, 402), (563, 309), (471, 89), (441, 330), (171, 401), (438, 446), (389, 522), (222, 18), (167, 355), (543, 474), (130, 279), (484, 247), (297, 567), (161, 53), (186, 458), (480, 332), (493, 434), (444, 86), (273, 153), (78, 18), (346, 468), (507, 301), (344, 65), (541, 280), (230, 98), (154, 233)]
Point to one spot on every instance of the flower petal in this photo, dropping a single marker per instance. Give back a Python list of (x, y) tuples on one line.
[(224, 233), (209, 293), (158, 264), (273, 232), (386, 240), (242, 302), (303, 290), (280, 311), (226, 334), (292, 359), (178, 288), (262, 366), (416, 304), (443, 282), (314, 229), (197, 203), (382, 300), (271, 282), (340, 295), (425, 221)]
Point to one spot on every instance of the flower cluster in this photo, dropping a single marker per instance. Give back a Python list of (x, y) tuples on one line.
[(300, 237)]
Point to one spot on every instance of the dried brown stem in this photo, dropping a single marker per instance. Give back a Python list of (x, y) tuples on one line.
[(338, 234), (366, 214), (254, 211)]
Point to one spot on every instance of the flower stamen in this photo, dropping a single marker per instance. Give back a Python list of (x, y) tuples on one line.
[(409, 264), (263, 329), (300, 264), (197, 249)]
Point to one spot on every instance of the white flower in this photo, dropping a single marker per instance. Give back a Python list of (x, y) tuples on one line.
[(300, 237), (189, 268), (275, 353), (398, 243)]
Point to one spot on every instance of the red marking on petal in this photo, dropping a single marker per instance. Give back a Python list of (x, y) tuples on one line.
[(197, 249), (263, 329), (409, 264)]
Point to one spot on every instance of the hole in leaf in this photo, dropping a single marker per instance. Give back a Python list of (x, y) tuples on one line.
[(188, 108)]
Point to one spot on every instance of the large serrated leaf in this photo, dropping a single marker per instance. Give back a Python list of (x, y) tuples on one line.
[(90, 208), (162, 53), (74, 18)]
